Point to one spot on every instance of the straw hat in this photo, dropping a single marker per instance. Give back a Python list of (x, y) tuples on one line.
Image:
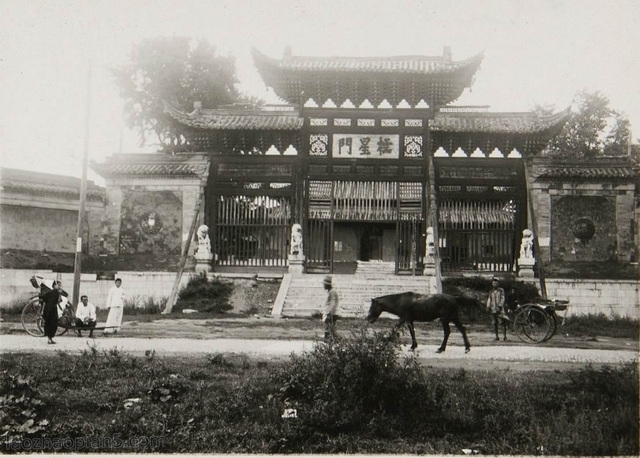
[(327, 281)]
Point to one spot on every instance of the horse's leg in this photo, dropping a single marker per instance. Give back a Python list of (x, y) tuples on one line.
[(447, 331), (412, 331), (463, 331), (396, 328)]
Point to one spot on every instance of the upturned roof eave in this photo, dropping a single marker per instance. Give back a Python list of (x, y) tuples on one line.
[(153, 165), (245, 120), (544, 126)]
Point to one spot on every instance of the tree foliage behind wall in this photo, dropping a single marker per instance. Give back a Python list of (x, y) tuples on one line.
[(177, 70), (594, 129)]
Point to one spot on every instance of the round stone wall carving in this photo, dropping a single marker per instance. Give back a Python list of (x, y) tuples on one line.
[(583, 229), (151, 223)]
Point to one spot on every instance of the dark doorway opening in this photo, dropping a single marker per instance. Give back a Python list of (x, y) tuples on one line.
[(371, 243)]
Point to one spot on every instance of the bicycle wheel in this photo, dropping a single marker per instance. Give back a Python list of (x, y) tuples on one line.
[(32, 318), (533, 325)]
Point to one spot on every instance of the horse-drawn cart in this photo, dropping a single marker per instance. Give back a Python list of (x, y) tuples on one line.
[(32, 320), (538, 322)]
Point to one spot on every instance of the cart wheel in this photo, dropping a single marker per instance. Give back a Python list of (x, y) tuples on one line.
[(533, 324), (554, 324), (65, 321), (32, 318)]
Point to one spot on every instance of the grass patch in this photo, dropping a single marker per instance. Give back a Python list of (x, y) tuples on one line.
[(601, 325), (144, 305), (354, 396), (15, 306)]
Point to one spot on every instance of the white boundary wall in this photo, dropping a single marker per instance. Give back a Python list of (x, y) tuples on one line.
[(15, 286), (613, 298)]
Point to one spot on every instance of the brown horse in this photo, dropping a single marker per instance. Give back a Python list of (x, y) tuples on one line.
[(410, 307)]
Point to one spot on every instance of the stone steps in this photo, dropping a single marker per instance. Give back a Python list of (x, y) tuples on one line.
[(305, 294), (376, 268)]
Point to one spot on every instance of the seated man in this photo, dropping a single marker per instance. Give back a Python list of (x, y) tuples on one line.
[(86, 315)]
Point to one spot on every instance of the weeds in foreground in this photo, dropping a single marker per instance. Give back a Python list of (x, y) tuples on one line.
[(354, 395)]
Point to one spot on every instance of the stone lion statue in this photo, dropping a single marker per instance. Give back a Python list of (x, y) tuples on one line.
[(526, 247), (204, 243), (296, 240)]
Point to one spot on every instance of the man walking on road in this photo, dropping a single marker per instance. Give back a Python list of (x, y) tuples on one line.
[(495, 306), (329, 310)]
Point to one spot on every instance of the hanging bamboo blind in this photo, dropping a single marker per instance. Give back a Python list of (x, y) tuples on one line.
[(476, 214), (365, 200)]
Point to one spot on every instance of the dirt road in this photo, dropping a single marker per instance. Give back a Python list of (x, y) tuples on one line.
[(265, 338), (483, 356)]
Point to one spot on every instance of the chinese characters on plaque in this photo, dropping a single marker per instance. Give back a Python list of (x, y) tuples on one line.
[(373, 146)]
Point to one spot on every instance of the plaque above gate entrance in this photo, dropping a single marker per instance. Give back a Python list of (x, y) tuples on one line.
[(366, 146)]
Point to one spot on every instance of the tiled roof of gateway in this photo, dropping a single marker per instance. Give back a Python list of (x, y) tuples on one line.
[(392, 64), (508, 123), (46, 184), (237, 118), (585, 169), (154, 164)]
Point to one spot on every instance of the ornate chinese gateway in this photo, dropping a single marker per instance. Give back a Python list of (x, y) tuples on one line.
[(365, 155)]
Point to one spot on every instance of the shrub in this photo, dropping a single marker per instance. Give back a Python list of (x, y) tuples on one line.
[(479, 287), (353, 384), (204, 295)]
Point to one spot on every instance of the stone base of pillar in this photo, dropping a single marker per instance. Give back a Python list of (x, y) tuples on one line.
[(429, 270), (296, 264), (429, 266), (203, 262), (525, 267)]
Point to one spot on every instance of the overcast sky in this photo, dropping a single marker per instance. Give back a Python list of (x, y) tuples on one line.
[(536, 52)]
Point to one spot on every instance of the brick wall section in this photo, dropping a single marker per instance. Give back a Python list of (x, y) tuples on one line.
[(625, 216), (598, 181), (187, 189), (27, 226)]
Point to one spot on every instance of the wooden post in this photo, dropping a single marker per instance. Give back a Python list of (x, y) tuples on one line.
[(77, 265), (183, 259)]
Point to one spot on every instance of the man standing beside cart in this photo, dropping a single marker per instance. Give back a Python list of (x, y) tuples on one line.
[(495, 306)]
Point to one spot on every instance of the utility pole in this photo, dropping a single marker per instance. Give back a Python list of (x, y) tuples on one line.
[(77, 266)]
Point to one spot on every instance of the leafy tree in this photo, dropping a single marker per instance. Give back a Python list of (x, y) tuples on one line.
[(594, 129), (177, 70)]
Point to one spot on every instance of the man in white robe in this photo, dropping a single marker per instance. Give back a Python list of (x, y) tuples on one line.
[(115, 304)]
